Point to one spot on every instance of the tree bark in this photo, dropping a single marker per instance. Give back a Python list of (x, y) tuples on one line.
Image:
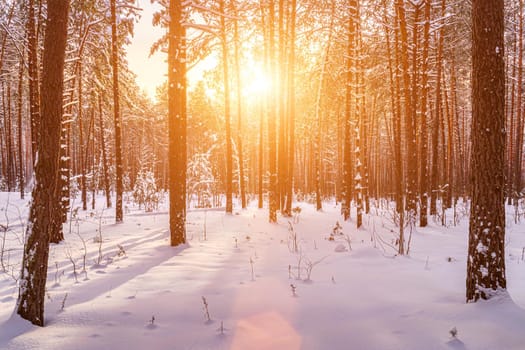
[(107, 187), (227, 113), (119, 186), (291, 109), (486, 250), (31, 298), (238, 80), (423, 181), (177, 123), (272, 128), (347, 183)]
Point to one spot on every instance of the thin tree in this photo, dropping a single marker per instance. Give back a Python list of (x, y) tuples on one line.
[(519, 114), (282, 171), (273, 197), (347, 182), (119, 186), (104, 156), (486, 249), (36, 251), (21, 183), (32, 69), (423, 179), (291, 107), (238, 81), (227, 112), (436, 120)]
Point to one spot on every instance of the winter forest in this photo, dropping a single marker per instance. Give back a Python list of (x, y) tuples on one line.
[(336, 174)]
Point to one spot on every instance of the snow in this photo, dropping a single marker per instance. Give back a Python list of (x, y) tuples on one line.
[(145, 294)]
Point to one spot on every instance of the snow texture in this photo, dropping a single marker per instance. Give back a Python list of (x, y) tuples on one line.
[(145, 294)]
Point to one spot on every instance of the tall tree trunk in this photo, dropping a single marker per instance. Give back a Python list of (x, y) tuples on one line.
[(347, 183), (9, 136), (272, 128), (411, 175), (396, 112), (227, 113), (282, 144), (400, 195), (177, 123), (519, 112), (291, 108), (261, 156), (319, 113), (360, 123), (242, 180), (21, 183), (107, 187), (423, 180), (436, 121), (119, 186), (30, 305), (486, 249), (511, 127), (32, 70), (83, 185)]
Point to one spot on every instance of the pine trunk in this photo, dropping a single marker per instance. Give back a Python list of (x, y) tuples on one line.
[(177, 123), (119, 186), (31, 298), (423, 153), (486, 250)]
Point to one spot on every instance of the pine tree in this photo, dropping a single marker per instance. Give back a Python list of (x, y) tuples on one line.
[(486, 250), (119, 187), (34, 266), (177, 123)]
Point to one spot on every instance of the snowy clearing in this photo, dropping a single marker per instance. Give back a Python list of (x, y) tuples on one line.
[(137, 292)]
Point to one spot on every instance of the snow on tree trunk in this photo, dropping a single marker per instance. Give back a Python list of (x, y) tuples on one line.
[(486, 250), (34, 266), (119, 186)]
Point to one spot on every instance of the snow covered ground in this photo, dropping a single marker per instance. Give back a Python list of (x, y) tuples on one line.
[(136, 292)]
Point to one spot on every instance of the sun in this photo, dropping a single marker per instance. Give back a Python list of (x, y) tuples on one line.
[(257, 82)]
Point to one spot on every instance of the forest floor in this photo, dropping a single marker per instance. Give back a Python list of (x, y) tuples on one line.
[(239, 283)]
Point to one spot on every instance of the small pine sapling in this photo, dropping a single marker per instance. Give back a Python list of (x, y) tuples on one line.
[(453, 332), (309, 267), (337, 229), (296, 212), (151, 323), (349, 242), (293, 287), (251, 265), (63, 305), (206, 310), (2, 248), (221, 329), (98, 239), (204, 234), (292, 239), (58, 274), (73, 263), (121, 251)]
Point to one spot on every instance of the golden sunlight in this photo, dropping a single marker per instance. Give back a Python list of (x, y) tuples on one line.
[(258, 81)]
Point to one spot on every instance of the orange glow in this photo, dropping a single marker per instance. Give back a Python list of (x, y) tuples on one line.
[(267, 330), (258, 81)]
